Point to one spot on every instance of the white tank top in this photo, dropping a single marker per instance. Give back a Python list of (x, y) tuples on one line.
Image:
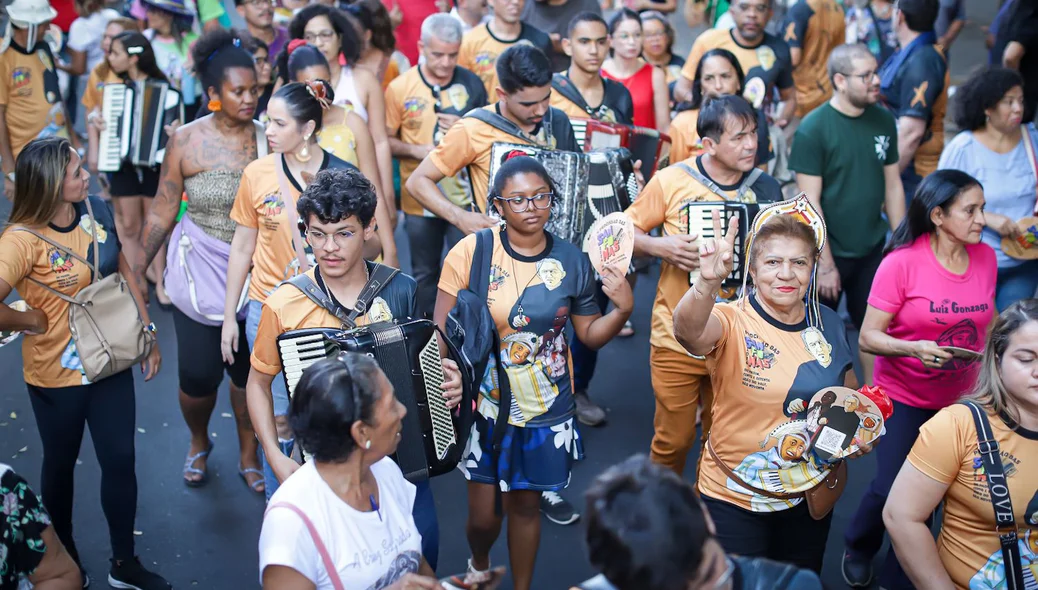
[(346, 91)]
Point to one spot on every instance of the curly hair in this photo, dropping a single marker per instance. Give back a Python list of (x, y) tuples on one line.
[(373, 16), (646, 528), (332, 395), (981, 92), (338, 193), (218, 51), (349, 43)]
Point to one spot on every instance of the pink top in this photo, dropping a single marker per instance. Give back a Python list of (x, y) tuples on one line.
[(931, 303)]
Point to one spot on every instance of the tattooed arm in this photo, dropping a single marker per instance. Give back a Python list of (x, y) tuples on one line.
[(166, 204)]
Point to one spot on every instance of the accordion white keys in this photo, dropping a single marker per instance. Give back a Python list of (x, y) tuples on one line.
[(135, 117), (701, 223)]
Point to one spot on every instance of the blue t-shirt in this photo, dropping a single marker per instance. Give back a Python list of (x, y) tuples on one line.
[(1008, 179)]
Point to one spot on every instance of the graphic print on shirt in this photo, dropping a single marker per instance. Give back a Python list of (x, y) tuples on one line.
[(964, 334), (993, 574), (405, 563), (882, 145)]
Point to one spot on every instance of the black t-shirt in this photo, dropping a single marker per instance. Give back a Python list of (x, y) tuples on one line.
[(617, 105)]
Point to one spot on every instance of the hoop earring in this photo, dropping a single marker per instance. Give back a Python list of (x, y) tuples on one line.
[(303, 155)]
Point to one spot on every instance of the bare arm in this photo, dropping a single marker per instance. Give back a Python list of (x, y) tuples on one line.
[(1013, 53), (694, 13), (660, 100), (910, 131), (280, 577), (666, 7), (385, 212), (6, 153), (376, 106), (597, 330), (682, 89), (243, 246), (912, 500), (57, 570), (694, 327), (894, 197), (166, 204), (789, 105), (260, 402), (77, 65), (149, 366), (812, 187), (874, 339), (422, 186), (952, 34), (408, 151), (795, 55)]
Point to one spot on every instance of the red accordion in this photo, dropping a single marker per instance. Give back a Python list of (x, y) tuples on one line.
[(648, 145)]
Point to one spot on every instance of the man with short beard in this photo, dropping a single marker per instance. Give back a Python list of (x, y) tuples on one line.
[(845, 155), (259, 19)]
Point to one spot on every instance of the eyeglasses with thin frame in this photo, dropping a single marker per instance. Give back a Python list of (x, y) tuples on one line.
[(540, 201), (318, 238), (865, 78), (323, 36)]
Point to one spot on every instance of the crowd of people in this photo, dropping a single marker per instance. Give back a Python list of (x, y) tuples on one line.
[(305, 137)]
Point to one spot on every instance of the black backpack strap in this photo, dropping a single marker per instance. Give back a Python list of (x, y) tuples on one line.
[(1005, 522), (712, 186), (377, 281), (309, 288), (561, 84), (502, 124)]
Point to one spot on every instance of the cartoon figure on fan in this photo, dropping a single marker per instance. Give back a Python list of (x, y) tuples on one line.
[(784, 466), (992, 575)]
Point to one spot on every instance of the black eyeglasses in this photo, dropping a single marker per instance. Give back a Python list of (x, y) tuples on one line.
[(539, 201), (865, 78)]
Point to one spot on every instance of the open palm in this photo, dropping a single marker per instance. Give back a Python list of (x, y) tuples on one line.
[(717, 255)]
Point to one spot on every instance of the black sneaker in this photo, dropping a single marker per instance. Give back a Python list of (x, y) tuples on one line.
[(857, 571), (557, 509), (131, 575)]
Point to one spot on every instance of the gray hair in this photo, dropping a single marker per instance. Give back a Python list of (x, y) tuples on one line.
[(842, 58), (442, 27)]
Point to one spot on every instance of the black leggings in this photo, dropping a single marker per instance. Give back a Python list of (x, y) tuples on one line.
[(108, 406), (200, 365)]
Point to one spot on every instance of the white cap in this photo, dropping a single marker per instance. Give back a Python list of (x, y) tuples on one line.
[(24, 13)]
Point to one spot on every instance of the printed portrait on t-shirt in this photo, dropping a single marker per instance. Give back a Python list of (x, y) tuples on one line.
[(818, 346), (963, 334), (993, 575)]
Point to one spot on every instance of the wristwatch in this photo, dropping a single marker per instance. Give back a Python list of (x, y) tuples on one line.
[(151, 329)]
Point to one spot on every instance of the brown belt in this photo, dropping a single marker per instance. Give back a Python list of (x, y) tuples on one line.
[(731, 474)]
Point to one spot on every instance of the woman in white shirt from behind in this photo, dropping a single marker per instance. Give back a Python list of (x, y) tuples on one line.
[(350, 490)]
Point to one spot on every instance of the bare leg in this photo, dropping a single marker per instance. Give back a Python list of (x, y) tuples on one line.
[(197, 411), (129, 219), (484, 526), (524, 535), (247, 441)]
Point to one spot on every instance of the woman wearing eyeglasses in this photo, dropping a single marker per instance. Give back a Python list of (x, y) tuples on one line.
[(648, 84), (538, 284)]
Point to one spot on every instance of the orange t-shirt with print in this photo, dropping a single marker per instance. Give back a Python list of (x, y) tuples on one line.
[(50, 359), (411, 116), (29, 91), (758, 369), (946, 451), (480, 50), (288, 308), (664, 202), (92, 96)]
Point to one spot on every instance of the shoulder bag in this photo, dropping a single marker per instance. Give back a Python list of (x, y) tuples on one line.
[(196, 268), (1005, 521), (103, 318), (820, 499)]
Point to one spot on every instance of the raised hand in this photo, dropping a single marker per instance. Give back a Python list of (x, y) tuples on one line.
[(717, 255)]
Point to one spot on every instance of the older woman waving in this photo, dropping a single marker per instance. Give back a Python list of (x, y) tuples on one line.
[(768, 354)]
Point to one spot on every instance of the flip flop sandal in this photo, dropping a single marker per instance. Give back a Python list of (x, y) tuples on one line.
[(190, 468), (244, 473)]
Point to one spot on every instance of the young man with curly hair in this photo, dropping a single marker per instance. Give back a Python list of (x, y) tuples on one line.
[(336, 216)]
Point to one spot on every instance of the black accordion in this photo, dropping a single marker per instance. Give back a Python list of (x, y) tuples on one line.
[(701, 223), (408, 351), (136, 116), (589, 186)]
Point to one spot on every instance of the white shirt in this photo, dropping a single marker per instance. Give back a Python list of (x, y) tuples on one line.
[(85, 35), (370, 550), (346, 90)]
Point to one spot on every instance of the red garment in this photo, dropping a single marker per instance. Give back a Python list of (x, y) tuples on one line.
[(409, 31), (640, 87), (66, 13)]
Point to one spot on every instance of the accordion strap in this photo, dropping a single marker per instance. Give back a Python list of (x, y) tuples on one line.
[(322, 550), (1005, 522), (712, 186), (561, 83), (501, 123), (378, 280)]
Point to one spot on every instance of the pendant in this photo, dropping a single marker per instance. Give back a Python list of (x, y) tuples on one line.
[(520, 320)]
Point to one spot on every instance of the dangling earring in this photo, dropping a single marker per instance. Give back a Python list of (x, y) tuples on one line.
[(342, 60), (215, 105), (368, 445), (304, 154)]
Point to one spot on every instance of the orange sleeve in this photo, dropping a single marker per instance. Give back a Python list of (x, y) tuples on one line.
[(4, 78), (465, 54), (393, 107), (649, 210), (726, 314), (16, 256), (682, 130), (91, 96), (698, 49), (939, 450), (456, 266), (243, 212), (455, 150), (265, 357)]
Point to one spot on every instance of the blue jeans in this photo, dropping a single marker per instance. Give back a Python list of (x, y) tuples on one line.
[(1016, 283), (279, 392)]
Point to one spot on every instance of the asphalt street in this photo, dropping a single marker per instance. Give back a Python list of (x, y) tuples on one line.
[(207, 537)]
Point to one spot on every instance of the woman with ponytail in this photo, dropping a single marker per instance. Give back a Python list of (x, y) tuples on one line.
[(934, 289), (206, 159), (267, 238)]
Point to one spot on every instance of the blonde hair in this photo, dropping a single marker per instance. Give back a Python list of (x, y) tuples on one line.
[(990, 391), (127, 24), (40, 181)]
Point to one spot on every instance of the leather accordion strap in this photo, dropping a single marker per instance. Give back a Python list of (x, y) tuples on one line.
[(727, 471)]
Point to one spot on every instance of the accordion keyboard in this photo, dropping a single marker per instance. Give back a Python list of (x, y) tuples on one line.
[(299, 353), (114, 140), (432, 370)]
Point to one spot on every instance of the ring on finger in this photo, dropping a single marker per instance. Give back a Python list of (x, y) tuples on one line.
[(936, 359)]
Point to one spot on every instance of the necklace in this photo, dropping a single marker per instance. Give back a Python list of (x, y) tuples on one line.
[(520, 319)]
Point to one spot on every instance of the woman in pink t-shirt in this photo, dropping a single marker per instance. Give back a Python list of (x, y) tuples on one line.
[(934, 289)]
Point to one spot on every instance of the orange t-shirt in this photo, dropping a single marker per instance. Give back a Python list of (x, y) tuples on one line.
[(759, 367), (815, 27), (411, 116), (946, 451), (767, 66), (664, 201), (480, 48), (684, 139), (95, 85), (288, 308), (30, 93), (50, 359)]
